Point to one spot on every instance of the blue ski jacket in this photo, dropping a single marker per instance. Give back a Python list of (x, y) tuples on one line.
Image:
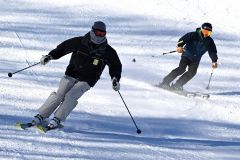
[(195, 46)]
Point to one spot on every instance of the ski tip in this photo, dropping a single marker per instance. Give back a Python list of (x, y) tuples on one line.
[(23, 125), (19, 125)]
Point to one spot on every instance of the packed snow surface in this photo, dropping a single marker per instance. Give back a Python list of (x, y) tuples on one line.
[(100, 128)]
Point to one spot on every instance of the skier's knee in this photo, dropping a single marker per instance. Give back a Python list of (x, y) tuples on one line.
[(192, 73), (56, 97), (71, 96), (179, 70), (65, 109)]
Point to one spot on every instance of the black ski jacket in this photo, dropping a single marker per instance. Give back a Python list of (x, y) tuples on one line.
[(88, 60), (196, 46)]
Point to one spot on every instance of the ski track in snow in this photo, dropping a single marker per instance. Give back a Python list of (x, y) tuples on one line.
[(173, 127)]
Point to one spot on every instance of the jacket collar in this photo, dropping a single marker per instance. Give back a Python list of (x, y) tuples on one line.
[(87, 42), (200, 34)]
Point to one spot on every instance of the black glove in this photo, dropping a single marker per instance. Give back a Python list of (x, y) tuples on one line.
[(45, 59), (115, 84)]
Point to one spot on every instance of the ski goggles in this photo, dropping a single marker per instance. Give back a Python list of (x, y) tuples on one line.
[(207, 32), (99, 33)]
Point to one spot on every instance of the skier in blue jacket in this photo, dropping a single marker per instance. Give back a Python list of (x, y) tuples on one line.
[(192, 46)]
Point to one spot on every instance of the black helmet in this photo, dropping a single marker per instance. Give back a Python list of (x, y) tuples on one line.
[(207, 26)]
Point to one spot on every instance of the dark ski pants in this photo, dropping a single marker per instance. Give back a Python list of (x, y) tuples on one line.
[(180, 70)]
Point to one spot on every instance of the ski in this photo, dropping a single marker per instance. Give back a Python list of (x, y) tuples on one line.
[(24, 125), (202, 95), (45, 129), (196, 94), (187, 93)]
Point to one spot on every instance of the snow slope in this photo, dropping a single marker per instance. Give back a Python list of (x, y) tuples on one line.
[(173, 127)]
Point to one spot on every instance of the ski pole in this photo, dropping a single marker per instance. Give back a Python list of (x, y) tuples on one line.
[(11, 74), (164, 53), (169, 52), (138, 130), (209, 80)]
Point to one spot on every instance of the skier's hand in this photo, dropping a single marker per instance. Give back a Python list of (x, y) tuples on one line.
[(45, 59), (115, 84), (214, 65), (179, 49)]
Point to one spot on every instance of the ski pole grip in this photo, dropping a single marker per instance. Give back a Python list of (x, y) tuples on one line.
[(114, 83)]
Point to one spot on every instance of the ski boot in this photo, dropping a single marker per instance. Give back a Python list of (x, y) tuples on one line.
[(54, 123), (164, 85)]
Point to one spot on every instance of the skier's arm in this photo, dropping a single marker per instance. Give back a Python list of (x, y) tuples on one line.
[(114, 64), (185, 39), (212, 51), (65, 47)]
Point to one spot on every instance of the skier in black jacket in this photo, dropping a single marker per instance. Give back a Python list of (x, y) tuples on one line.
[(90, 54), (192, 46)]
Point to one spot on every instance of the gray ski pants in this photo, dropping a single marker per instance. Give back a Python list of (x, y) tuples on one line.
[(65, 99)]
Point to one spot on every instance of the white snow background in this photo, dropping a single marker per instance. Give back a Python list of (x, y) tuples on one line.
[(100, 128)]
